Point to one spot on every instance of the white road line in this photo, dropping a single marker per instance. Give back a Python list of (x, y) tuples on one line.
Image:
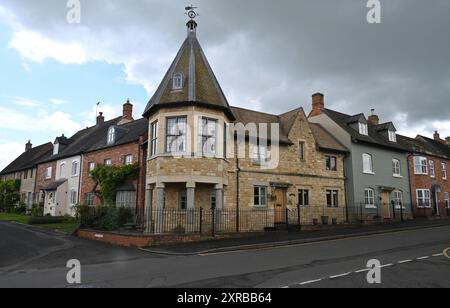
[(438, 255), (386, 265), (423, 258), (404, 261), (285, 287), (362, 271), (339, 276), (309, 282)]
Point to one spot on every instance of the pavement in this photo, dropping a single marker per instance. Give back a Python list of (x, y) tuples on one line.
[(34, 258)]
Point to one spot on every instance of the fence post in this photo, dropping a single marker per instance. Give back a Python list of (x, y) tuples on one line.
[(401, 212), (213, 222), (393, 209), (360, 212), (201, 221), (299, 218), (287, 219), (237, 220)]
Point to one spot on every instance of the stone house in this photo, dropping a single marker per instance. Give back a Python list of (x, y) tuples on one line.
[(429, 160), (193, 159), (378, 185)]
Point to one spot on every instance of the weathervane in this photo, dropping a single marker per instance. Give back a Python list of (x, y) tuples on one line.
[(190, 11)]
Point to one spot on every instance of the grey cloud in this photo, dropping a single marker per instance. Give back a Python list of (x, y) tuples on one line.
[(272, 55)]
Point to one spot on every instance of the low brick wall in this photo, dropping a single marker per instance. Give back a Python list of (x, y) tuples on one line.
[(143, 240)]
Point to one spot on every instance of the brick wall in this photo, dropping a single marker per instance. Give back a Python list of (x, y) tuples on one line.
[(41, 180)]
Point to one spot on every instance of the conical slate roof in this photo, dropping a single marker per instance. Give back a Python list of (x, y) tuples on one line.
[(200, 85)]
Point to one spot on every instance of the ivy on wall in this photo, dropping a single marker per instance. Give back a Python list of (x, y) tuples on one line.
[(109, 178)]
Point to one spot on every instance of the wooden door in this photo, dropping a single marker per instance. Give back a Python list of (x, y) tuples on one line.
[(386, 204), (280, 205)]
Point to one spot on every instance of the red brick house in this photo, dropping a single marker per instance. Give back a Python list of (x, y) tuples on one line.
[(120, 141), (429, 160)]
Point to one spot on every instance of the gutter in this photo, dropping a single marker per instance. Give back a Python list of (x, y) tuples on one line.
[(410, 183)]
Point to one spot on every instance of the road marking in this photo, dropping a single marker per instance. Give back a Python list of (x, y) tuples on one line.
[(404, 261), (438, 255), (423, 258), (285, 287), (386, 265), (339, 276), (362, 271), (309, 282)]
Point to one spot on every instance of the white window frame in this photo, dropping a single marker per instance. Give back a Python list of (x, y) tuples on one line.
[(363, 129), (128, 160), (62, 170), (73, 197), (420, 165), (55, 148), (111, 135), (48, 173), (397, 168), (177, 134), (75, 165), (259, 154), (423, 198), (126, 199), (177, 81), (398, 199), (303, 197), (368, 163), (392, 136), (154, 138), (444, 171), (447, 200), (260, 192), (207, 136), (108, 162), (432, 168), (91, 167), (369, 198), (331, 159)]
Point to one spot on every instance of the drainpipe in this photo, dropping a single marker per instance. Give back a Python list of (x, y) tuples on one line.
[(410, 184), (345, 189), (80, 182)]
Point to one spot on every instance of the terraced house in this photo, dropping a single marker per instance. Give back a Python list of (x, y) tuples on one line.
[(192, 164), (429, 160), (378, 185)]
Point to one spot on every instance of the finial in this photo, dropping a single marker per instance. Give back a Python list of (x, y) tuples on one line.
[(192, 14)]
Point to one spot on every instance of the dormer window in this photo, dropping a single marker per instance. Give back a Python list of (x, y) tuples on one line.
[(177, 81), (55, 148), (363, 129), (392, 136), (111, 135)]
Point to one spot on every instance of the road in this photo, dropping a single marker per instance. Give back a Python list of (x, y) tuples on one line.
[(31, 258)]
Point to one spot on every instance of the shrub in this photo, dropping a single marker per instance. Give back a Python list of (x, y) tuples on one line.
[(20, 209), (46, 220), (125, 216), (37, 210), (106, 218)]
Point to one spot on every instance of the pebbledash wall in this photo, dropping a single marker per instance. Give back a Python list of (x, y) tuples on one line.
[(117, 155)]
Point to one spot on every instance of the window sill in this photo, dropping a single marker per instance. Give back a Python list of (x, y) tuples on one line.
[(397, 176), (371, 207), (369, 173)]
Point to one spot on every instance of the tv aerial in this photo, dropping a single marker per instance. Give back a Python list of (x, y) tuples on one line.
[(190, 12)]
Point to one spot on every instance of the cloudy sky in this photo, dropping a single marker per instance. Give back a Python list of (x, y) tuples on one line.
[(268, 55)]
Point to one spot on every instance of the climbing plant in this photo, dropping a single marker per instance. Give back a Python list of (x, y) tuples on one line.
[(109, 178)]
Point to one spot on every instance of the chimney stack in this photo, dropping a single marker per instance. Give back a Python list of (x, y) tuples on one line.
[(318, 104), (447, 140), (127, 111), (373, 118), (437, 137), (100, 119), (28, 146)]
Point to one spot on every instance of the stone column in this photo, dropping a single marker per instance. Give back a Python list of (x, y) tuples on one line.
[(190, 211), (218, 211), (148, 216), (159, 211)]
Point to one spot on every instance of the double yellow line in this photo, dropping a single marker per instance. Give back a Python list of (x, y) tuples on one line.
[(447, 253)]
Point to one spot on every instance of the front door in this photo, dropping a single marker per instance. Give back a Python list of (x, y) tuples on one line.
[(280, 205), (386, 204)]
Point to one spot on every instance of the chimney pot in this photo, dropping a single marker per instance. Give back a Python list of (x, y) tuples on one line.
[(127, 111), (374, 119), (318, 104), (100, 119), (28, 146), (436, 136)]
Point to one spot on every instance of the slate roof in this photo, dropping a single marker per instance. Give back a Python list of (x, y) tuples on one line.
[(374, 138), (425, 145), (200, 85), (325, 141), (54, 185), (29, 159)]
